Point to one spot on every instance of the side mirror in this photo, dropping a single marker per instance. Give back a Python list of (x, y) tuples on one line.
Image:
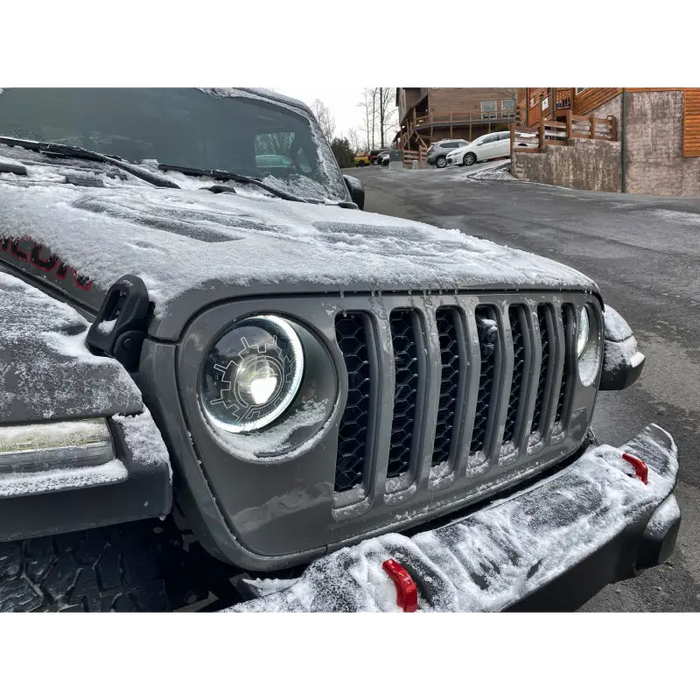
[(356, 189)]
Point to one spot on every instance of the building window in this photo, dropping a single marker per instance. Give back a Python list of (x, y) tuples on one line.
[(489, 109), (508, 108), (580, 90)]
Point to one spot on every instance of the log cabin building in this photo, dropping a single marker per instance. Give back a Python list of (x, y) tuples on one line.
[(427, 115), (652, 144)]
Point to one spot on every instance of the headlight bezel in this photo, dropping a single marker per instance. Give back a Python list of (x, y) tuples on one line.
[(306, 421)]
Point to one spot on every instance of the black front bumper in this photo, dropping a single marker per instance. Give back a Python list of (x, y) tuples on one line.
[(549, 547)]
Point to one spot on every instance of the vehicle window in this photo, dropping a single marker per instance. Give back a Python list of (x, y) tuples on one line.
[(505, 136), (489, 139), (201, 129)]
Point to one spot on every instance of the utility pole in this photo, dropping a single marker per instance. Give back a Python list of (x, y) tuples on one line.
[(622, 135), (381, 117)]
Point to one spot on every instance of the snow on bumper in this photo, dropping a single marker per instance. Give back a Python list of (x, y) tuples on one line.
[(503, 553)]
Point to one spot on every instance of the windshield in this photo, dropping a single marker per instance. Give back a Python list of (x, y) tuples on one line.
[(227, 129)]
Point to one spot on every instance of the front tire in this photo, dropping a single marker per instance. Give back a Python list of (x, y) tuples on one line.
[(102, 570), (469, 159), (441, 162)]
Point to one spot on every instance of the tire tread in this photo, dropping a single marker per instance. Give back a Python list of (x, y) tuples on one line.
[(108, 569)]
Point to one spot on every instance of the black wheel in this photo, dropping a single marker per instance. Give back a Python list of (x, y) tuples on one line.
[(440, 162), (469, 159), (108, 569)]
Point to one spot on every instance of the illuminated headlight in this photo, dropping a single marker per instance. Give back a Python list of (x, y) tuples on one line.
[(252, 374), (584, 331)]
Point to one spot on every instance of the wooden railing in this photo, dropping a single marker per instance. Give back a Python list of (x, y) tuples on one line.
[(550, 133), (410, 157), (473, 117)]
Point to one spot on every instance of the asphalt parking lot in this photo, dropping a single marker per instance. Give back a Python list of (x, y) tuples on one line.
[(644, 252)]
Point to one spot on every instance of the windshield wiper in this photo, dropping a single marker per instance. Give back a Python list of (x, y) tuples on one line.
[(66, 151), (226, 175)]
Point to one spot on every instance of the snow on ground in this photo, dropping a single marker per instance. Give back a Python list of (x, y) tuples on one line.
[(677, 217), (497, 171)]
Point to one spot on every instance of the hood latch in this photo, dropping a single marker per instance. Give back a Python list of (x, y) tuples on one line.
[(122, 321)]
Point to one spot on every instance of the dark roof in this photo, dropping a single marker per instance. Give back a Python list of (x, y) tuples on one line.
[(277, 97)]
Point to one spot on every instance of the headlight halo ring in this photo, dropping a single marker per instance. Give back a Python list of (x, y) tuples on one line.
[(271, 338)]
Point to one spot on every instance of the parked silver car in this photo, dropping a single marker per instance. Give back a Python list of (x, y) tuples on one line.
[(437, 153)]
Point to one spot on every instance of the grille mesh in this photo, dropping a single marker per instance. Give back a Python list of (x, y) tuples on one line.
[(488, 332), (351, 335), (515, 314), (544, 367), (566, 316), (405, 392), (447, 323)]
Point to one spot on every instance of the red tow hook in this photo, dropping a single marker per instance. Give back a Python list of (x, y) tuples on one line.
[(640, 469), (406, 589)]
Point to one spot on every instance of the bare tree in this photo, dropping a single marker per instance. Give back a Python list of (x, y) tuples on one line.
[(324, 118), (354, 139), (369, 104)]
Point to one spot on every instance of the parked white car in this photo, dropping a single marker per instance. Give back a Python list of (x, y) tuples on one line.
[(486, 147)]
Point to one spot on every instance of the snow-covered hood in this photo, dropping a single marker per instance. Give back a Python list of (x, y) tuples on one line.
[(227, 245)]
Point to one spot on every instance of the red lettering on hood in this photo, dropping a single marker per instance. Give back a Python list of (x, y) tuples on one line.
[(37, 255)]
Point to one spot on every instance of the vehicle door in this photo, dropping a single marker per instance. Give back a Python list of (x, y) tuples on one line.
[(488, 147), (502, 146)]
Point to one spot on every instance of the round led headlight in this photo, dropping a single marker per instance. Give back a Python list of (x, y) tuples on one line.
[(584, 331), (252, 374)]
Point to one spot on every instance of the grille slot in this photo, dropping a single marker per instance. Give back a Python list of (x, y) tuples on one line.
[(448, 327), (567, 322), (545, 367), (488, 345), (351, 335), (517, 325), (403, 337)]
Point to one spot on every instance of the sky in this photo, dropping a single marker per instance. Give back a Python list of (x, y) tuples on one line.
[(342, 103)]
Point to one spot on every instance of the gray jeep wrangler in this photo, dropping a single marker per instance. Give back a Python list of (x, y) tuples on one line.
[(223, 385)]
